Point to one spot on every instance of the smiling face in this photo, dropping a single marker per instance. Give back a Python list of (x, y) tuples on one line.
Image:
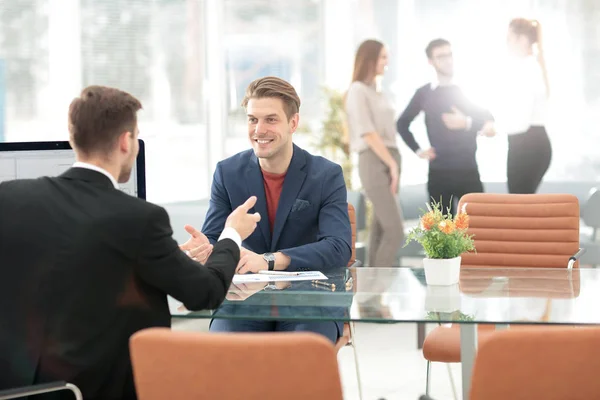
[(269, 129)]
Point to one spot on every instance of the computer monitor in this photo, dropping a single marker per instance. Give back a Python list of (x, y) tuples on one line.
[(26, 160)]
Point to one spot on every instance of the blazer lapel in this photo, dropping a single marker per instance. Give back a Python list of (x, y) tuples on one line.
[(256, 187), (294, 179)]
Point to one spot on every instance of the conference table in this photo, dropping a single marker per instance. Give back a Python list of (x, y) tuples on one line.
[(497, 296)]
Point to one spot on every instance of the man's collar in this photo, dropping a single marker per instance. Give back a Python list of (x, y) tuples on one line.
[(298, 159), (435, 83), (96, 168)]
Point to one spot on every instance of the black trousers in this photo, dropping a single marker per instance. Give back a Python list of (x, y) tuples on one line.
[(448, 186), (529, 156)]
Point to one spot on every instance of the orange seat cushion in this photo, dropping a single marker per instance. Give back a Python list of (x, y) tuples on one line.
[(443, 343)]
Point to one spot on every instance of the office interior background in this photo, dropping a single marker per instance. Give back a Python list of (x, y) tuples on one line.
[(189, 62)]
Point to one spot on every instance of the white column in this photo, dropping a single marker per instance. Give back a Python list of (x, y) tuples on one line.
[(215, 84), (340, 43), (64, 64)]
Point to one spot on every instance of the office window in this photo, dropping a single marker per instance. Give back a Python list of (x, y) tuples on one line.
[(24, 68), (155, 50), (270, 37)]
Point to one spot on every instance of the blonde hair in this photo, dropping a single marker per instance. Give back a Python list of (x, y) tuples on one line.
[(271, 86), (532, 30)]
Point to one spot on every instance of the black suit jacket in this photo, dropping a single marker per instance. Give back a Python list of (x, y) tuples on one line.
[(82, 267)]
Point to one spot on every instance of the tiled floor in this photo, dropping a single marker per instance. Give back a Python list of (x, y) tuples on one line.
[(391, 367)]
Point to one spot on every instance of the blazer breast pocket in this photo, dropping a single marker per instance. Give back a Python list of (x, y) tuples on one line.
[(301, 209)]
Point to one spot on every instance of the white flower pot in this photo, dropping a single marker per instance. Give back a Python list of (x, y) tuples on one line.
[(442, 272), (442, 298)]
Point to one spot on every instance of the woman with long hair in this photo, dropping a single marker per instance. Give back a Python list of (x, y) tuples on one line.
[(372, 128), (522, 114)]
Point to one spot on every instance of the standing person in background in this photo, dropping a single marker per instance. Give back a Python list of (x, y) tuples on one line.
[(522, 113), (373, 136), (452, 123)]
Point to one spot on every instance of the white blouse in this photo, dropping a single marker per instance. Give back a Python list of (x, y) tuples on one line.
[(522, 100)]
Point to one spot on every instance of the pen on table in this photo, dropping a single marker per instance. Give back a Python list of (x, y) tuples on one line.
[(329, 285), (263, 272)]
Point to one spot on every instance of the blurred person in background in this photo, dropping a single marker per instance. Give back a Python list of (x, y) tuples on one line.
[(371, 118), (521, 112), (452, 123)]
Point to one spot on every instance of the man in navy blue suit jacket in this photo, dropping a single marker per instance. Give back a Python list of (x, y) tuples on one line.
[(302, 200)]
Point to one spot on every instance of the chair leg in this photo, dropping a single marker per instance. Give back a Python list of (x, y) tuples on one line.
[(353, 334), (452, 381), (420, 335), (428, 378)]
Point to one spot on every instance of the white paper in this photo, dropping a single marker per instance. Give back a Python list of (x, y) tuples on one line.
[(302, 276)]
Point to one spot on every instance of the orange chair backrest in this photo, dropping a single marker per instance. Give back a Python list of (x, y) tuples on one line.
[(522, 230), (352, 215), (535, 363), (191, 365)]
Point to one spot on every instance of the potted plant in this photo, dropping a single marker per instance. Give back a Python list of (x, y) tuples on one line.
[(444, 239), (331, 138)]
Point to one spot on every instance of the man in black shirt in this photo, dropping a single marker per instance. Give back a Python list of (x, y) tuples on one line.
[(453, 124)]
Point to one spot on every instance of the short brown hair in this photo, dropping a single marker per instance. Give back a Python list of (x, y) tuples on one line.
[(366, 59), (271, 86), (434, 44), (99, 115)]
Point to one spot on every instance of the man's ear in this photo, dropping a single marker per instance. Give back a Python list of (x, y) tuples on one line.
[(124, 142), (294, 121)]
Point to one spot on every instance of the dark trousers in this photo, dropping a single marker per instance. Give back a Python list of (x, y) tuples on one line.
[(448, 186), (329, 329), (529, 156)]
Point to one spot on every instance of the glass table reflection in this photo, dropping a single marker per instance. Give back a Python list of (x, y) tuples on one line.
[(499, 296)]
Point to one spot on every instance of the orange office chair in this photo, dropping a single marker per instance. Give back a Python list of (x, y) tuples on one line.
[(533, 231), (190, 365), (550, 364), (347, 338)]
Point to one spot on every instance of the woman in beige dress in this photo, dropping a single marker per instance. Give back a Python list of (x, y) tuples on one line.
[(371, 124)]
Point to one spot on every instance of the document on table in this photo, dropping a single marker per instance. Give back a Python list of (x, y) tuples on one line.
[(289, 277)]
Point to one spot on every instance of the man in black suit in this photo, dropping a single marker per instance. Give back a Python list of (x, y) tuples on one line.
[(83, 265)]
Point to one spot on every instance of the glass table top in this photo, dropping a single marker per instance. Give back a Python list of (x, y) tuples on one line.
[(389, 295)]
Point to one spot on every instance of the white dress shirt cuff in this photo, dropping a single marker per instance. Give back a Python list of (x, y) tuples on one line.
[(230, 233), (469, 123)]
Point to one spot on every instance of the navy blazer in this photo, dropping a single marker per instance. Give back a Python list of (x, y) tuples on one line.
[(311, 226)]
